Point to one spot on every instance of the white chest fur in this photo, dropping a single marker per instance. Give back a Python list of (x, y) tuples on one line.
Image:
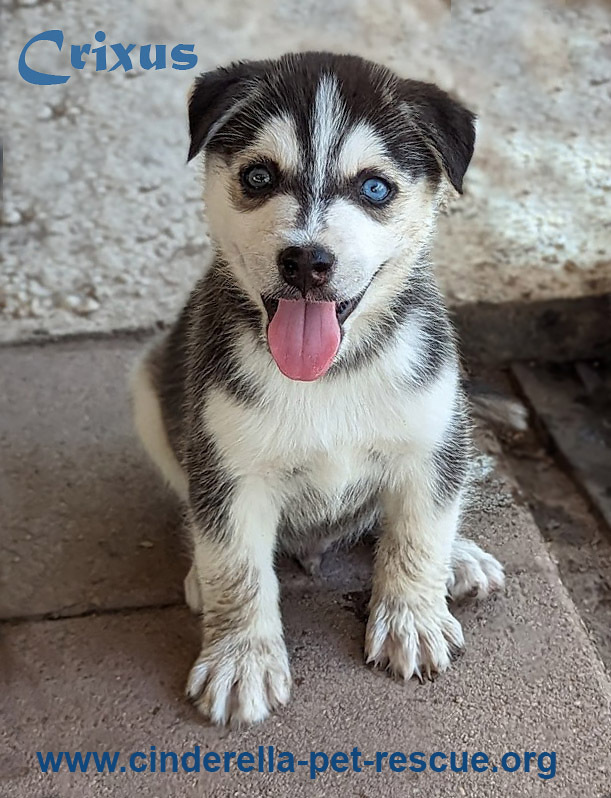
[(334, 427)]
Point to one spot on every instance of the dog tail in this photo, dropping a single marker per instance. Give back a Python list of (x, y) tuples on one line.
[(495, 408)]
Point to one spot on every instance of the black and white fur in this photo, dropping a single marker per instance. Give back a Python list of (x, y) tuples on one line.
[(264, 463)]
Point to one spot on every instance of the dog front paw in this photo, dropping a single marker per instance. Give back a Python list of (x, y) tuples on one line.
[(240, 679), (418, 641), (474, 572)]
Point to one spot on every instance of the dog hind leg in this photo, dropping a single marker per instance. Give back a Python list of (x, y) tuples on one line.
[(193, 594), (148, 420), (474, 572)]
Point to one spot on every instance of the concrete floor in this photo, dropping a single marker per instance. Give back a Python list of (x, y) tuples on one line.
[(103, 226), (89, 528)]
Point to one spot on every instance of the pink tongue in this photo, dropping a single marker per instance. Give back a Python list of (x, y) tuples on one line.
[(304, 338)]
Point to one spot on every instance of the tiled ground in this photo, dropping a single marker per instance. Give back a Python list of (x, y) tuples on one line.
[(87, 526)]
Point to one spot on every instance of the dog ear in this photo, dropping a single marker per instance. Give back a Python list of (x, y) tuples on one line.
[(214, 98), (447, 127)]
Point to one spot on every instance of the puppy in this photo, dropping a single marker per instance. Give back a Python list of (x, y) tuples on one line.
[(310, 389)]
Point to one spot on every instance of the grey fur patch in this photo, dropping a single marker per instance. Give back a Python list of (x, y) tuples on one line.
[(419, 298), (235, 590), (451, 459), (199, 354)]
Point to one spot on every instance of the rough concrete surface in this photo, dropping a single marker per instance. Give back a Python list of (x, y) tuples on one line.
[(576, 538), (530, 679), (103, 225), (84, 522)]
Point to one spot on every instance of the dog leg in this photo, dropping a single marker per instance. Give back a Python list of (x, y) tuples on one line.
[(242, 672), (474, 572), (150, 427), (410, 628), (193, 594)]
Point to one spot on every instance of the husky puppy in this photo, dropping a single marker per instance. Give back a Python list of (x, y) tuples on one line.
[(310, 389)]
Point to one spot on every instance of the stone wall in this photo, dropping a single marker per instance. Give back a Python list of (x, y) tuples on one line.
[(103, 227)]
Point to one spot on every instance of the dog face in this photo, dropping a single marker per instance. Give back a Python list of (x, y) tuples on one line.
[(323, 177)]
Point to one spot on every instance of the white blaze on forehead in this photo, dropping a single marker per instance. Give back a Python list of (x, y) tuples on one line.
[(327, 121), (277, 141), (361, 149)]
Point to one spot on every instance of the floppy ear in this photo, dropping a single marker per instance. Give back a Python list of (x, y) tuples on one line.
[(447, 127), (214, 98)]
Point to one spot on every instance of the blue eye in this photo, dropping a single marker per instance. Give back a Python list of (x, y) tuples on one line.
[(258, 177), (375, 190)]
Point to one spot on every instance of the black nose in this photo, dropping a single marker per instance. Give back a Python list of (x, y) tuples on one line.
[(305, 267)]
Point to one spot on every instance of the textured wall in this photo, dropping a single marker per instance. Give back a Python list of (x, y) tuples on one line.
[(102, 223)]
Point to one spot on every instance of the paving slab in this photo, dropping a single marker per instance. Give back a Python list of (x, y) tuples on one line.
[(529, 681), (84, 521), (576, 537), (76, 484)]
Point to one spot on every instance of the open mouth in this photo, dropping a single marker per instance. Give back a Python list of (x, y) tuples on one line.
[(304, 337), (342, 309)]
